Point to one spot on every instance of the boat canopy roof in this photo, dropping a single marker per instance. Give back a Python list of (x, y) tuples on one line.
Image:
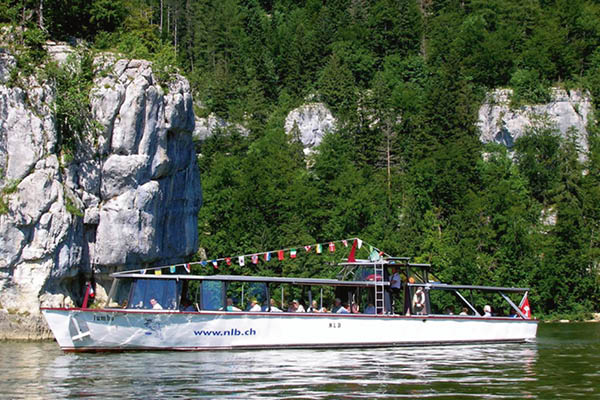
[(443, 286), (313, 281), (241, 278)]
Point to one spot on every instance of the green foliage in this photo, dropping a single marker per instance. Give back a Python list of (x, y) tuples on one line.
[(405, 168), (164, 63), (9, 188), (73, 82), (528, 88), (72, 208)]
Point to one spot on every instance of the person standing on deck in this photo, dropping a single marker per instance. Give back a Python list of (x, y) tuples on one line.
[(395, 286)]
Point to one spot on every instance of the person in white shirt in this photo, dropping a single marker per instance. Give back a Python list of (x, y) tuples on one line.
[(155, 304), (296, 307), (254, 306), (487, 311)]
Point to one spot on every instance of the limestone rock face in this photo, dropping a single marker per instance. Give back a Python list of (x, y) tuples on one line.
[(129, 197), (206, 127), (313, 120), (501, 124)]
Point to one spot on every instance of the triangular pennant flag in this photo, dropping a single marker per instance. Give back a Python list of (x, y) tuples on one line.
[(187, 268), (345, 242), (241, 261), (374, 256), (292, 253), (255, 259), (203, 263), (319, 248), (172, 269), (267, 256), (280, 255), (157, 272), (370, 249), (352, 256), (359, 243), (307, 248), (228, 260), (143, 271), (331, 247), (215, 263)]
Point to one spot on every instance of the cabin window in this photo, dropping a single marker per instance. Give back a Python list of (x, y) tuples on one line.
[(212, 295), (119, 293), (367, 273), (164, 291), (257, 291)]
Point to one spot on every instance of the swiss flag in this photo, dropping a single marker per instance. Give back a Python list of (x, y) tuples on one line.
[(525, 309)]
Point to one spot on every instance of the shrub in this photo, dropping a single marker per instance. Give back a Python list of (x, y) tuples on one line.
[(528, 88)]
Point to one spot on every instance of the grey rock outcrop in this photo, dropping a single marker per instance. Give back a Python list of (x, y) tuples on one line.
[(313, 120), (501, 124), (129, 197), (206, 127)]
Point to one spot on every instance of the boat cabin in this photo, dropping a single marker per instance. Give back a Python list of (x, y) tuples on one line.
[(362, 287)]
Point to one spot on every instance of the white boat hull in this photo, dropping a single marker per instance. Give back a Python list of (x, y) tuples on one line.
[(96, 330)]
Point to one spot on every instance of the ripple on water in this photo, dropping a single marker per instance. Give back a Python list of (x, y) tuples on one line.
[(557, 365)]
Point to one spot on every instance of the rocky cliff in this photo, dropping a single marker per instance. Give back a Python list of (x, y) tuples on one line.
[(313, 121), (128, 196), (500, 123)]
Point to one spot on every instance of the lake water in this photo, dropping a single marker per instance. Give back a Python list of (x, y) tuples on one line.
[(563, 363)]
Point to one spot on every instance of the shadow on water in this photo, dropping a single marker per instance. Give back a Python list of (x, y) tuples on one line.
[(564, 362)]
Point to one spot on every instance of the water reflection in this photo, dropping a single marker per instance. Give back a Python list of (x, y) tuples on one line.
[(557, 365)]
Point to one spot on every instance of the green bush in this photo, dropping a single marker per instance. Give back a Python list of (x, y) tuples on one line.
[(528, 88), (73, 82)]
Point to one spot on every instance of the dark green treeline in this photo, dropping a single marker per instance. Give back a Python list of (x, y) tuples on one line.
[(405, 169)]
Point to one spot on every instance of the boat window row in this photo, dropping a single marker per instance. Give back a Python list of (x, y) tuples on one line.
[(216, 295), (362, 297)]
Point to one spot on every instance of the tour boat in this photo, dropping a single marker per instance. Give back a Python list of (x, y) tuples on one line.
[(182, 311)]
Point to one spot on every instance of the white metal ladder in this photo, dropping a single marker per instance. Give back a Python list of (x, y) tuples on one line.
[(379, 289)]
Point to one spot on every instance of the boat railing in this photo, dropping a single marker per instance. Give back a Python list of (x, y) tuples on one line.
[(428, 286)]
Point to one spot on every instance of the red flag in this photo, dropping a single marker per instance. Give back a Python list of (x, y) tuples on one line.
[(351, 257), (280, 255), (525, 309), (187, 268), (255, 259), (307, 248), (228, 260), (331, 247)]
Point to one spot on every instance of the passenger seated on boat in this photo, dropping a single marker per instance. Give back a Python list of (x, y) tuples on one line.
[(464, 311), (370, 309), (354, 308), (314, 307), (336, 306), (419, 301), (274, 307), (186, 305), (339, 308), (155, 304), (296, 307), (254, 306), (230, 306), (487, 311)]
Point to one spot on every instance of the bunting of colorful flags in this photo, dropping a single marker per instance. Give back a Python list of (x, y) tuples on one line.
[(266, 256)]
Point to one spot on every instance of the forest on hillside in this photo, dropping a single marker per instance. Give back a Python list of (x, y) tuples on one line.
[(405, 169)]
